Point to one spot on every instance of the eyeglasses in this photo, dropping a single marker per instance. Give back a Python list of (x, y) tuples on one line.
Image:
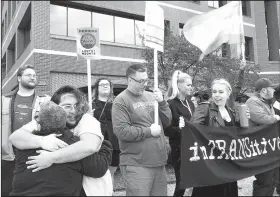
[(104, 85), (69, 107), (142, 81), (30, 75)]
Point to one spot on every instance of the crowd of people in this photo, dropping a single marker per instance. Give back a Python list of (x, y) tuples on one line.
[(57, 146)]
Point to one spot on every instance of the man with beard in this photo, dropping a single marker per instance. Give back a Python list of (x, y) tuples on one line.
[(142, 142), (18, 108), (262, 112), (81, 123)]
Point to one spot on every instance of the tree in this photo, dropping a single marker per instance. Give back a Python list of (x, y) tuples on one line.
[(179, 54)]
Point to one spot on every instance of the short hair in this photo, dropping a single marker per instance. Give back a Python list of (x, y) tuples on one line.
[(131, 70), (82, 105), (96, 86), (222, 81), (177, 76), (52, 118), (22, 68)]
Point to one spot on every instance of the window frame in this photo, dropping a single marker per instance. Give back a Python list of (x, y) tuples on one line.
[(99, 12)]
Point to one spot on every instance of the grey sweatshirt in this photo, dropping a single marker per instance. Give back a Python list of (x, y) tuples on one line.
[(132, 115)]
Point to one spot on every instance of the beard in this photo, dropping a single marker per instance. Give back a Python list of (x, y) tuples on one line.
[(28, 85)]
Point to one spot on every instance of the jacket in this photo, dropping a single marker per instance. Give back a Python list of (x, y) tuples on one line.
[(261, 112), (106, 121), (208, 114), (177, 109), (7, 119)]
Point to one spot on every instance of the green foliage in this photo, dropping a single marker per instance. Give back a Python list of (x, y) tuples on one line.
[(179, 54)]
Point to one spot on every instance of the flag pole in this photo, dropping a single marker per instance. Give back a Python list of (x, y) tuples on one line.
[(156, 84), (242, 33), (89, 84)]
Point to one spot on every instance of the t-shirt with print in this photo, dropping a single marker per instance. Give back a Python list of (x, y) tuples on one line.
[(22, 111)]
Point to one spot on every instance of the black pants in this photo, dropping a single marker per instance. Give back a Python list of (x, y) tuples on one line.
[(278, 184), (7, 174), (226, 189), (176, 162), (265, 183)]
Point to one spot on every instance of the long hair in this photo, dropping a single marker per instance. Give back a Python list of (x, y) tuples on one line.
[(177, 76), (96, 86)]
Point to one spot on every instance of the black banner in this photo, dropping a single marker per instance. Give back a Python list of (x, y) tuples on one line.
[(212, 156)]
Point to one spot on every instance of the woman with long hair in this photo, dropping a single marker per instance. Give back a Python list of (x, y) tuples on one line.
[(102, 111), (179, 98), (224, 116)]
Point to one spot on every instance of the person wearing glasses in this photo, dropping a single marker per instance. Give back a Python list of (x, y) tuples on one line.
[(18, 108), (142, 141), (79, 121), (102, 111), (179, 98)]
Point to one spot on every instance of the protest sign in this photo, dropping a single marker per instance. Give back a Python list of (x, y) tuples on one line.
[(227, 154)]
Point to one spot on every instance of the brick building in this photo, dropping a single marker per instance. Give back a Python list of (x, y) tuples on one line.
[(42, 33)]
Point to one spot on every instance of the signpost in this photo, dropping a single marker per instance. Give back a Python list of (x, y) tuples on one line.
[(154, 38), (88, 47)]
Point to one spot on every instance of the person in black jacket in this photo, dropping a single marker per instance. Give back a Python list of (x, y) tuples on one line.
[(179, 99), (102, 106), (58, 179)]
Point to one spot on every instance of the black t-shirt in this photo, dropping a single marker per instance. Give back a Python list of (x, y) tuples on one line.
[(58, 179), (22, 111)]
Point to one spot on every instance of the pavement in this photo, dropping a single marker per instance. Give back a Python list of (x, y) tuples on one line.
[(244, 185)]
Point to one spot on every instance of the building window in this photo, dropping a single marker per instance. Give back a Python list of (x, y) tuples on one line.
[(24, 31), (3, 67), (249, 49), (105, 23), (246, 8), (76, 19), (213, 4), (222, 3), (166, 27), (58, 20), (6, 23), (11, 54), (14, 5), (2, 31), (181, 26), (65, 21)]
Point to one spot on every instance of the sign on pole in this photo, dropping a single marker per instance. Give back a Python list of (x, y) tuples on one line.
[(88, 47), (88, 43), (154, 21), (154, 37)]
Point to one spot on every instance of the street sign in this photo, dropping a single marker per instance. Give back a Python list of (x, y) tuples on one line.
[(154, 21), (88, 43)]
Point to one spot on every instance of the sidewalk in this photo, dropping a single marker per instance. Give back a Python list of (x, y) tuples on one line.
[(245, 185)]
